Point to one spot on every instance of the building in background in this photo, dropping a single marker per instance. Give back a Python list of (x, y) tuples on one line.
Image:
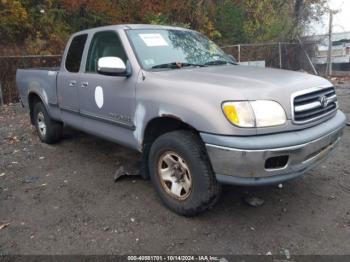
[(340, 51)]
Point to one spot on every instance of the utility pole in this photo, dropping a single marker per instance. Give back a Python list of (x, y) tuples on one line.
[(298, 10), (330, 43)]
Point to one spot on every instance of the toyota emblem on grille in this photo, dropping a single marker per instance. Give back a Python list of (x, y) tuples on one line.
[(324, 101)]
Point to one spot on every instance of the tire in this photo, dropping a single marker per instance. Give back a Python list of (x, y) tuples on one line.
[(49, 130), (182, 154)]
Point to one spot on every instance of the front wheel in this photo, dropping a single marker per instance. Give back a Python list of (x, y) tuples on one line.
[(49, 130), (182, 174)]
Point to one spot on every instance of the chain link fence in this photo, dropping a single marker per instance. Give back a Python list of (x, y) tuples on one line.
[(292, 56), (283, 55), (9, 65)]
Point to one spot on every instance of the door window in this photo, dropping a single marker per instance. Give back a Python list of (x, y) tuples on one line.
[(75, 53), (104, 44)]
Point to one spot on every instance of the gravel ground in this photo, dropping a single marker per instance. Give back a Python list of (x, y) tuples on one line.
[(62, 199)]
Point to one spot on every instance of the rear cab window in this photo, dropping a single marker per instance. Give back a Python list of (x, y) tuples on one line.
[(75, 53)]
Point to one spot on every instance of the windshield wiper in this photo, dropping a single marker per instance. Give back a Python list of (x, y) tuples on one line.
[(220, 62), (174, 65)]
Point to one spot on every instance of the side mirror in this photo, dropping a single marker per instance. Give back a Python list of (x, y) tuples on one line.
[(112, 66)]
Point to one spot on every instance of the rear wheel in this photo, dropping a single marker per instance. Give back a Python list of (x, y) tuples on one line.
[(49, 130), (182, 174)]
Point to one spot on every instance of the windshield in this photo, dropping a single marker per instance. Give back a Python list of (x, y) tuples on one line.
[(161, 48)]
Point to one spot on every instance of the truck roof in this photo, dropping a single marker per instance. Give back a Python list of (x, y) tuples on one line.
[(130, 26)]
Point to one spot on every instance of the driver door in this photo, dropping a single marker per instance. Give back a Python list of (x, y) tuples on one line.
[(107, 103)]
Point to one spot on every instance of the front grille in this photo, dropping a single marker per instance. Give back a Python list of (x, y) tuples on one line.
[(314, 105)]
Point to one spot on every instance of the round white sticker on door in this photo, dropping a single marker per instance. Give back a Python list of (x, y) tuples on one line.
[(99, 96)]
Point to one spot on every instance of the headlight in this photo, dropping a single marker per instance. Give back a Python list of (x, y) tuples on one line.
[(259, 113)]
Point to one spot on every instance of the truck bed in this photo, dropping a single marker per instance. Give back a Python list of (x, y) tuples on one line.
[(41, 80)]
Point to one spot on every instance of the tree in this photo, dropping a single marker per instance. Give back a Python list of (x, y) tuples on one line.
[(229, 21), (45, 25), (13, 21), (267, 20)]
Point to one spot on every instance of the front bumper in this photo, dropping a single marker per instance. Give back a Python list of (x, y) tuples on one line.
[(246, 160)]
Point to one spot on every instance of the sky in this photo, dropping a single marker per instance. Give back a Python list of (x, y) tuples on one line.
[(341, 20)]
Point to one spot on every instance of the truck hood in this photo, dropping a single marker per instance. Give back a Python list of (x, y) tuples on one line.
[(235, 82)]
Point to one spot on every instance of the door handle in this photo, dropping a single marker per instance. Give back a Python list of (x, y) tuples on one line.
[(84, 84), (72, 83)]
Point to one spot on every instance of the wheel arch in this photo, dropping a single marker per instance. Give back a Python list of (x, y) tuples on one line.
[(164, 124), (157, 127)]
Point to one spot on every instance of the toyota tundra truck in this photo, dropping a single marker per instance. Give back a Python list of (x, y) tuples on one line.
[(198, 118)]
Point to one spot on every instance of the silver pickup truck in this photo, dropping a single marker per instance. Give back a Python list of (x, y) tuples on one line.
[(199, 119)]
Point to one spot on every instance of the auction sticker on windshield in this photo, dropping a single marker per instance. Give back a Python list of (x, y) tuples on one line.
[(153, 39)]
